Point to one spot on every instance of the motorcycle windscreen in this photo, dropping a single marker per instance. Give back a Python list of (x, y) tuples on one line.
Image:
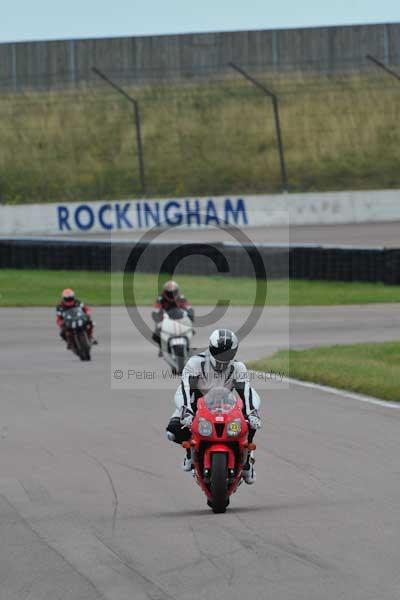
[(220, 399), (176, 313), (74, 313)]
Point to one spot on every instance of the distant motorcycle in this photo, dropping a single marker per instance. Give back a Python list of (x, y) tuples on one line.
[(176, 332), (76, 324), (219, 446)]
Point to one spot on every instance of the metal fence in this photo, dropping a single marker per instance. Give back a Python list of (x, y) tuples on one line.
[(216, 136), (213, 132), (68, 63)]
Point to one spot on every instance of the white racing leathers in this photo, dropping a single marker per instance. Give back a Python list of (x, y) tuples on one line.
[(198, 377)]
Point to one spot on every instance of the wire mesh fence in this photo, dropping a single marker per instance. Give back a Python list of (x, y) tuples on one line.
[(212, 133)]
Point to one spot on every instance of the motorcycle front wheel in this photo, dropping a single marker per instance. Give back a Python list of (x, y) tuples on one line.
[(83, 345), (180, 354), (219, 482)]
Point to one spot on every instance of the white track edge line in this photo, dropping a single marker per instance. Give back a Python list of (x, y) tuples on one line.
[(343, 393)]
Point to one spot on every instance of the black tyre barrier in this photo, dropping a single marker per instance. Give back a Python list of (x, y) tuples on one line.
[(297, 262)]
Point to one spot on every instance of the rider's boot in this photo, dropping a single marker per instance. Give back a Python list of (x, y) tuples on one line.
[(170, 436), (66, 340), (90, 330), (187, 464), (248, 472), (156, 338)]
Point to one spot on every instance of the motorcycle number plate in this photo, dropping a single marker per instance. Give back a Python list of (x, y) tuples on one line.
[(219, 419), (178, 341)]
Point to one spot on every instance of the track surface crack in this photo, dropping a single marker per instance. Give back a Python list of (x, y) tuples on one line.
[(112, 486), (31, 528), (150, 588)]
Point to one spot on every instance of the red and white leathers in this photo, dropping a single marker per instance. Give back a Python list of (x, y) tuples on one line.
[(163, 304)]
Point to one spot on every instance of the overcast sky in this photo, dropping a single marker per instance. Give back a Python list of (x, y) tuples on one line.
[(53, 19)]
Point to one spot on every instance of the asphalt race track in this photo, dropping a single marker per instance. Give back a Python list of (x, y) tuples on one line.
[(362, 234), (93, 504)]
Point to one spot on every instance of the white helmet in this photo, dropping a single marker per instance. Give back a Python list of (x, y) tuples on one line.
[(223, 345)]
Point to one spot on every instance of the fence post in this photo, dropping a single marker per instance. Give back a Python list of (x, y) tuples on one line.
[(14, 67), (72, 63), (275, 106), (136, 109)]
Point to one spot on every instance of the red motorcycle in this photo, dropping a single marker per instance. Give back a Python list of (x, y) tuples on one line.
[(219, 446)]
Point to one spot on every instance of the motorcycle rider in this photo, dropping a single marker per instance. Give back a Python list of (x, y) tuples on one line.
[(170, 298), (216, 367), (68, 300)]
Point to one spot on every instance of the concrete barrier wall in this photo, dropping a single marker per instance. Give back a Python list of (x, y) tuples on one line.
[(64, 63), (193, 213)]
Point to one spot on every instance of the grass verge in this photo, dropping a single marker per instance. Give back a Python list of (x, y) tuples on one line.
[(371, 369), (42, 288), (215, 137)]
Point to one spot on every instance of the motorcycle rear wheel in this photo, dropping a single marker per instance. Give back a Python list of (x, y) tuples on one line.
[(219, 482)]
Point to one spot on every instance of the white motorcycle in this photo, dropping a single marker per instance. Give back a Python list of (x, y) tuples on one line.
[(176, 334)]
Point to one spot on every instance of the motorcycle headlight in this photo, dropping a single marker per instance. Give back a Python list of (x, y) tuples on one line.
[(74, 324), (234, 427), (80, 322), (205, 427)]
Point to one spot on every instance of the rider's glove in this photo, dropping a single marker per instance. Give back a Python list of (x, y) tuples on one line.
[(254, 421), (186, 418)]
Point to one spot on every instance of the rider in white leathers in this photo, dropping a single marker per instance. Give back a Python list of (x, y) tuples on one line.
[(216, 367)]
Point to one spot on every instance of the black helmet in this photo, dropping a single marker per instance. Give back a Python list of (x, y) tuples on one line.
[(223, 345)]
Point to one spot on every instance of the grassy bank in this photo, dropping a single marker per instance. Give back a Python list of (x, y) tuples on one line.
[(201, 139), (42, 288), (371, 369)]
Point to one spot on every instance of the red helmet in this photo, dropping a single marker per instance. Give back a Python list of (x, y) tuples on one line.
[(68, 297), (170, 291)]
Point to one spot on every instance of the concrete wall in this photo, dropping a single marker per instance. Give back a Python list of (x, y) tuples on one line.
[(191, 213), (46, 65)]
